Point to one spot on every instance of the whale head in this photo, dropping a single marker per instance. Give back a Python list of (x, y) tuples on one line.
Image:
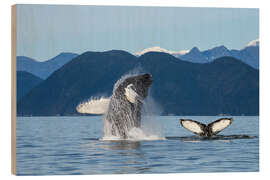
[(135, 88)]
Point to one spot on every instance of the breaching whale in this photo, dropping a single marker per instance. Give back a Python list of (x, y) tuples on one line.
[(124, 111), (203, 130)]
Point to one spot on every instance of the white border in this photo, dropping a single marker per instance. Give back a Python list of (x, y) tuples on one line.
[(5, 80)]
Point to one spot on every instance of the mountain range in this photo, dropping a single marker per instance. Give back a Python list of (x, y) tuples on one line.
[(249, 54), (225, 85), (45, 68), (25, 82)]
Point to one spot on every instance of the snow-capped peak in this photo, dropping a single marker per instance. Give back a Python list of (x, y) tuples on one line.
[(152, 49), (183, 52), (253, 43), (159, 49)]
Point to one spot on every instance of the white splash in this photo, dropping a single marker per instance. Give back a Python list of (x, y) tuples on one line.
[(150, 128), (135, 134), (95, 105)]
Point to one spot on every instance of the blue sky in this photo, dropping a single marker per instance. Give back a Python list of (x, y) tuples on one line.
[(43, 31)]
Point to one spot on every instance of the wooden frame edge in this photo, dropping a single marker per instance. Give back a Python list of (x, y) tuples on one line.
[(13, 89)]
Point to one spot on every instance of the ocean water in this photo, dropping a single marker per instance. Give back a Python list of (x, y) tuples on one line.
[(74, 145)]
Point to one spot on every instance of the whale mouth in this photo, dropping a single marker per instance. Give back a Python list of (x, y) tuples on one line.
[(147, 78)]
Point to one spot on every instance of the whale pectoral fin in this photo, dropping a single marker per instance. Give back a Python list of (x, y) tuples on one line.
[(94, 106), (219, 125), (193, 126), (131, 95)]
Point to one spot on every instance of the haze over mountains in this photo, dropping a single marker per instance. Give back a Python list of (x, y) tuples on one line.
[(45, 68), (224, 86), (249, 54)]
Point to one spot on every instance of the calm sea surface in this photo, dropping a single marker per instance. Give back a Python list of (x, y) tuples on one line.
[(72, 145)]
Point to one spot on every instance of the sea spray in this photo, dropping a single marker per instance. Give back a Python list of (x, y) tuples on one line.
[(151, 110)]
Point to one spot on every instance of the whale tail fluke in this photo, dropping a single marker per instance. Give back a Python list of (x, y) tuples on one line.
[(206, 130), (193, 126), (219, 125)]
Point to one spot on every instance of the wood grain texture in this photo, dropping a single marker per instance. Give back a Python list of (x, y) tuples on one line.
[(13, 89)]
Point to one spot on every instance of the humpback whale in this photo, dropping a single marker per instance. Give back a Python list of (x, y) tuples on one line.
[(124, 110), (203, 130)]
